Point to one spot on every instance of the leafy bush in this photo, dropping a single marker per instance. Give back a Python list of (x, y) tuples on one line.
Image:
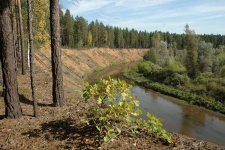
[(204, 90), (176, 66), (167, 75), (176, 79), (222, 72), (203, 78), (150, 56), (210, 96), (191, 98), (113, 111), (144, 68), (200, 80), (217, 91), (197, 88)]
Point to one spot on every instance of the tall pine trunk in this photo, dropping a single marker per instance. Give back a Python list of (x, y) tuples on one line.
[(8, 60), (21, 38), (57, 91), (30, 32), (14, 24)]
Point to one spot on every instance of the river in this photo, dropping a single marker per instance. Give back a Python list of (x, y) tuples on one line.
[(177, 117)]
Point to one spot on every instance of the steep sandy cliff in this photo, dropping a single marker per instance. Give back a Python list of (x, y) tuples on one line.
[(77, 63)]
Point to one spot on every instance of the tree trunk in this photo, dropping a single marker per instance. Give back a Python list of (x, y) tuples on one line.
[(14, 25), (57, 91), (8, 60), (21, 38), (30, 32)]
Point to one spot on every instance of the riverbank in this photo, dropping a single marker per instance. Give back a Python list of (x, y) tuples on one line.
[(78, 63), (57, 128), (178, 87)]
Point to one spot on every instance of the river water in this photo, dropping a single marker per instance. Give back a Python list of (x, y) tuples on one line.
[(177, 117)]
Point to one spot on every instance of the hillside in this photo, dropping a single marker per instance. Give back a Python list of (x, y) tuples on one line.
[(78, 63), (56, 128)]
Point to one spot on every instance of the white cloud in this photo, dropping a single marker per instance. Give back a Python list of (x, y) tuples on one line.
[(214, 17), (88, 5), (153, 15), (206, 8)]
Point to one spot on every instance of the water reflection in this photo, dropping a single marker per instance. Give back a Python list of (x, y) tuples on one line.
[(190, 121), (181, 118)]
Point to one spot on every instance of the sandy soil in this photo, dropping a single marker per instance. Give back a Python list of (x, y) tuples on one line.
[(57, 128)]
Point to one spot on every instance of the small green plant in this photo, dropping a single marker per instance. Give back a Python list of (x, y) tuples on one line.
[(114, 109)]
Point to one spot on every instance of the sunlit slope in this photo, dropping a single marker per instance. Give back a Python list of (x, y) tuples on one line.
[(77, 63)]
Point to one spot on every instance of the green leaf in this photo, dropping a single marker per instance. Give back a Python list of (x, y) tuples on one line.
[(118, 130), (110, 130), (112, 135), (106, 138), (98, 128), (130, 119), (120, 106), (137, 103), (149, 115), (102, 118), (168, 137), (99, 101), (138, 111)]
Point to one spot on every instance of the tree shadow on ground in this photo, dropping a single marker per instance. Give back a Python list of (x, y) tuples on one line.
[(69, 131), (25, 100), (2, 117)]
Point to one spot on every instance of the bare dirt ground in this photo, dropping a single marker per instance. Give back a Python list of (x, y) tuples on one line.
[(58, 128)]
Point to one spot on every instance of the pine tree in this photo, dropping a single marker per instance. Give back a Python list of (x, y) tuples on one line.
[(80, 31), (8, 61), (111, 36), (93, 29), (21, 37), (68, 30), (31, 48), (57, 87), (103, 36)]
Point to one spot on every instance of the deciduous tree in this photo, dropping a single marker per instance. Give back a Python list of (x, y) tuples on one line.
[(156, 40), (89, 40), (192, 55), (41, 15), (205, 51)]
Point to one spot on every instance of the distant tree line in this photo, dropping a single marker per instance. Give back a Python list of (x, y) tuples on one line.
[(198, 56), (78, 33), (195, 74)]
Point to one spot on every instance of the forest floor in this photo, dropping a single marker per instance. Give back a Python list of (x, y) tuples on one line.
[(58, 128)]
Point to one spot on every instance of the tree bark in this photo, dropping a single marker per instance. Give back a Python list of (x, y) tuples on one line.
[(14, 25), (21, 38), (57, 87), (8, 60), (30, 33)]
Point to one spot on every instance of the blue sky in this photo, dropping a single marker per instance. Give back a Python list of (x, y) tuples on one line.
[(203, 16)]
